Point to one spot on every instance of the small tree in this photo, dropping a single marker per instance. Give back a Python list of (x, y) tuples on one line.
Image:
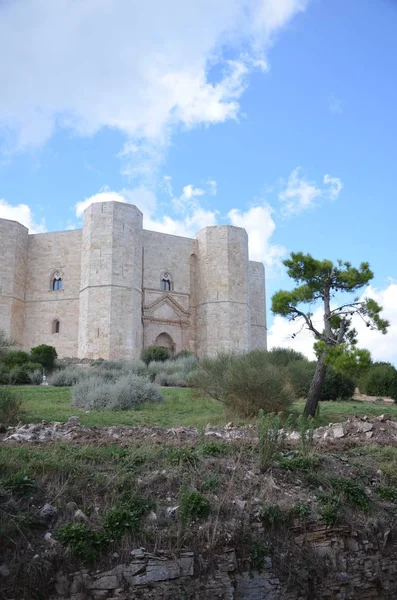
[(45, 355), (321, 280)]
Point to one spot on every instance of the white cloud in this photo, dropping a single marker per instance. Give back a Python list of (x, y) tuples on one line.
[(100, 197), (23, 214), (142, 68), (299, 194), (213, 187), (382, 347), (192, 216), (335, 184), (260, 226)]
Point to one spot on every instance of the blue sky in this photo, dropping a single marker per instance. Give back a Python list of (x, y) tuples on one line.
[(275, 115)]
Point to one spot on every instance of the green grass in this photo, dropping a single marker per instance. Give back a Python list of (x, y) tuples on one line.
[(335, 412), (181, 407)]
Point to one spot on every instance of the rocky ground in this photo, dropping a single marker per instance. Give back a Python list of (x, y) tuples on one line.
[(354, 431), (331, 506)]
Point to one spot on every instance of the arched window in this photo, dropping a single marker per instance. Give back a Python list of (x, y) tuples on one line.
[(166, 282), (56, 326), (57, 283)]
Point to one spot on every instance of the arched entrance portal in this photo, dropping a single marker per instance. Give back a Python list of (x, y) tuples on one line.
[(166, 341)]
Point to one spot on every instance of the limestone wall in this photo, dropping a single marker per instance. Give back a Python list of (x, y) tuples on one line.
[(223, 312), (257, 300), (168, 254), (110, 324), (343, 566), (13, 264), (47, 253), (112, 304)]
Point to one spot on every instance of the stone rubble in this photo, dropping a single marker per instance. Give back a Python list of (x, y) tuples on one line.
[(383, 429)]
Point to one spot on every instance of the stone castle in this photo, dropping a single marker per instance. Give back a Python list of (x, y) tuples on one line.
[(113, 288)]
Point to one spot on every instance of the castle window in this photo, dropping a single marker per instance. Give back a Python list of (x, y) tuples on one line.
[(56, 326), (166, 282), (57, 283)]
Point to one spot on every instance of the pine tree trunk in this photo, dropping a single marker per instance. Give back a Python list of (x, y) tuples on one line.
[(313, 396)]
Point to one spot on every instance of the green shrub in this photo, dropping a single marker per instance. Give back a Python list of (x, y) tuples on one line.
[(68, 376), (300, 373), (123, 394), (35, 377), (271, 437), (304, 463), (118, 520), (4, 375), (185, 455), (45, 355), (126, 367), (11, 406), (192, 505), (82, 541), (184, 354), (259, 553), (352, 491), (283, 357), (387, 492), (380, 380), (170, 380), (154, 353), (19, 375), (271, 515), (15, 358), (245, 383), (172, 372), (337, 386), (329, 508), (20, 483)]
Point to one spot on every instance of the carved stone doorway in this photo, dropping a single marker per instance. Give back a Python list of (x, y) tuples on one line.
[(166, 341)]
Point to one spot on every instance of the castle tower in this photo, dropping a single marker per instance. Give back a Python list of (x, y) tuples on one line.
[(110, 319), (13, 273), (257, 299), (223, 311)]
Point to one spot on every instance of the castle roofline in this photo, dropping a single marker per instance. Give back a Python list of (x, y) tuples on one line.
[(224, 226), (16, 222)]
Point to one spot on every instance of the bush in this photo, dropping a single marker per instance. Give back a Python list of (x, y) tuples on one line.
[(337, 385), (15, 358), (177, 370), (283, 356), (67, 377), (10, 406), (184, 354), (154, 353), (19, 376), (45, 355), (136, 367), (35, 377), (4, 375), (125, 393), (300, 373), (170, 380), (246, 383), (380, 380)]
